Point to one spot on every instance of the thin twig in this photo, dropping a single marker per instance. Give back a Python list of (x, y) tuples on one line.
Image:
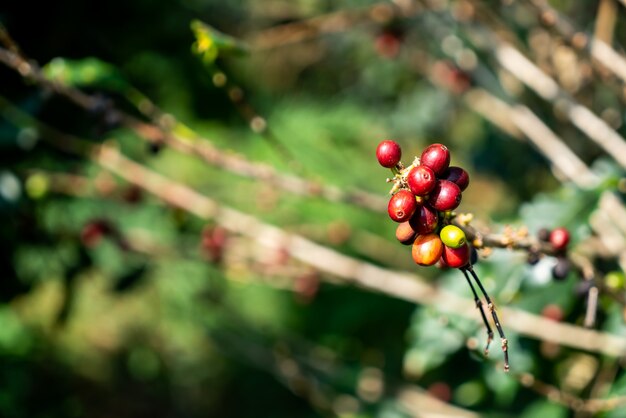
[(479, 305), (334, 22), (201, 147), (598, 48), (496, 320)]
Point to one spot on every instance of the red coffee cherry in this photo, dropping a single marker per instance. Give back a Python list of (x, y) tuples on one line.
[(553, 312), (213, 243), (388, 153), (401, 206), (458, 176), (445, 196), (436, 157), (405, 233), (421, 180), (456, 257), (427, 249), (94, 231), (424, 220), (388, 44), (559, 238)]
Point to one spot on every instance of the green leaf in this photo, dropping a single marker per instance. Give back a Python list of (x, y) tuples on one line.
[(434, 338), (210, 42), (87, 72), (544, 409)]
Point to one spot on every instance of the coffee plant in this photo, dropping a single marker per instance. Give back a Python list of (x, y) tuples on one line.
[(194, 224)]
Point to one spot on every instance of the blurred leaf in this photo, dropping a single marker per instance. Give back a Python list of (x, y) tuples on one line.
[(210, 42), (131, 279), (541, 409), (86, 72), (433, 338)]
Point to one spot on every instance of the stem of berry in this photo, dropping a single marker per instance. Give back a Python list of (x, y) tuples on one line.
[(492, 309), (480, 307)]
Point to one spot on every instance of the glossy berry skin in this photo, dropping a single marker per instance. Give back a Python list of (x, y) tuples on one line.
[(436, 157), (405, 233), (458, 176), (445, 196), (427, 249), (401, 206), (456, 257), (452, 236), (559, 238), (421, 180), (424, 220), (388, 153)]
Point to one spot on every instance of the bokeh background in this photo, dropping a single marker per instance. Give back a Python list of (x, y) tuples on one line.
[(117, 302)]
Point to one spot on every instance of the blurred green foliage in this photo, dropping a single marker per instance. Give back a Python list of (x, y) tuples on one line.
[(91, 329)]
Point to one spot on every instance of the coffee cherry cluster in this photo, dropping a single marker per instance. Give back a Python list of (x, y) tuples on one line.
[(423, 196)]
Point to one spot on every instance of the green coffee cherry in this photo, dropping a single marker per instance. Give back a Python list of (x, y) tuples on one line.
[(452, 236), (37, 185), (615, 280)]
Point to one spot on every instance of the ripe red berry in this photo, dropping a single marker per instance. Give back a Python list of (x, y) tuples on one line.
[(405, 233), (553, 312), (424, 220), (91, 235), (94, 231), (458, 176), (559, 238), (427, 249), (401, 206), (445, 196), (388, 153), (421, 180), (387, 45), (456, 257), (436, 157), (213, 243)]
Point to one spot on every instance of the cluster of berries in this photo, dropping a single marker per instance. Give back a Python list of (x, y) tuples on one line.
[(423, 196)]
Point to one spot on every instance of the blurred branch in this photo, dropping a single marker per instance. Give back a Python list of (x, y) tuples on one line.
[(200, 147), (580, 116), (605, 21), (599, 46), (420, 404), (334, 22), (532, 76), (573, 402)]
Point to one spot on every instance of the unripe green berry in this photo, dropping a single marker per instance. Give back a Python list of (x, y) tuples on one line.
[(452, 236)]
